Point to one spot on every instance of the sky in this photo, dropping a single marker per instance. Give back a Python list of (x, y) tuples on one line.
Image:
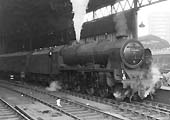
[(144, 12)]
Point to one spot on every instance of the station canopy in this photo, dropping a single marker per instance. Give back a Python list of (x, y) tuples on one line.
[(96, 4)]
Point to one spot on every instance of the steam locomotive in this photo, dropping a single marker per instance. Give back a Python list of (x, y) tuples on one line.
[(97, 68)]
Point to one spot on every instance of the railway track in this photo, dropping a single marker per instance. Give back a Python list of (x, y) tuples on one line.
[(146, 110), (73, 109), (7, 112)]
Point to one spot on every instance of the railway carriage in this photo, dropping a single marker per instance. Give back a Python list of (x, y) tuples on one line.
[(13, 63)]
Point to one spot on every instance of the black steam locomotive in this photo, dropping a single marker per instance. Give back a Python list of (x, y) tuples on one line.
[(98, 68)]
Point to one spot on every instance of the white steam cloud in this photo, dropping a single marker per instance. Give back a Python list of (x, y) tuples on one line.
[(121, 24), (79, 9), (166, 79), (54, 86), (153, 81), (146, 82)]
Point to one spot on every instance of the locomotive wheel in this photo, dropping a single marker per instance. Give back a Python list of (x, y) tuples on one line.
[(103, 92), (90, 91), (77, 89)]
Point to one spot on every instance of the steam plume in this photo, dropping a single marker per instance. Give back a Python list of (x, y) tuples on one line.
[(166, 79), (79, 9), (152, 81), (53, 86), (121, 25)]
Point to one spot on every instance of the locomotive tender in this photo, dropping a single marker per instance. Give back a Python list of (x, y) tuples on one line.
[(97, 68)]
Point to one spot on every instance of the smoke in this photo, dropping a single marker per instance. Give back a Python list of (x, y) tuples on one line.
[(79, 9), (152, 82), (166, 79), (121, 25), (54, 86)]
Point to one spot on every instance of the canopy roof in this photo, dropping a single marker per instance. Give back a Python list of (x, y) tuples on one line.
[(96, 4)]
